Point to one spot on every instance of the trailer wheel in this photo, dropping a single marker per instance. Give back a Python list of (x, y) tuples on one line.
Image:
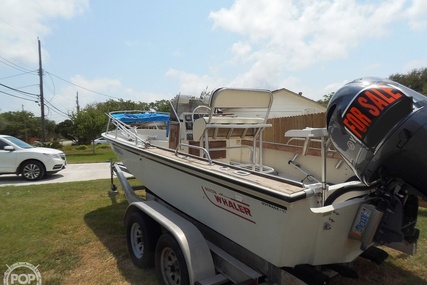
[(170, 262), (141, 243)]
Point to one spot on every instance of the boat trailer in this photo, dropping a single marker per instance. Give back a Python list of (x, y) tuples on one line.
[(183, 251)]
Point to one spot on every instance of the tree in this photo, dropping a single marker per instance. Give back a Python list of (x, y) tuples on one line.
[(83, 126), (112, 105), (416, 79), (49, 128), (89, 122), (161, 106), (326, 98), (21, 124), (67, 130)]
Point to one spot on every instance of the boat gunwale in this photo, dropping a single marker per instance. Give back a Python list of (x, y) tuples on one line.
[(208, 174)]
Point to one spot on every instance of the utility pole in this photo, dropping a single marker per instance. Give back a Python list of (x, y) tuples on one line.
[(25, 123), (41, 94), (77, 102)]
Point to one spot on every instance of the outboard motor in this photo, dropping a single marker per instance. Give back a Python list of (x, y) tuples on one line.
[(380, 129)]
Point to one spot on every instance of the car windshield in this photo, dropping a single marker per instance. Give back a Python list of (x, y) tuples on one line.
[(18, 142)]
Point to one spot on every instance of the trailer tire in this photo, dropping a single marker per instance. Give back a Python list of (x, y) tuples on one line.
[(171, 268), (141, 243)]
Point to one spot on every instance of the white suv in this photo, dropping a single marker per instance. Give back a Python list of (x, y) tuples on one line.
[(32, 163)]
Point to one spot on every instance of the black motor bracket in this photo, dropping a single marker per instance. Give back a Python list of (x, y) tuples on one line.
[(399, 205)]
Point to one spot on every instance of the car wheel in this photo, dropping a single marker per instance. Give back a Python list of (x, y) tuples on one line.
[(32, 170)]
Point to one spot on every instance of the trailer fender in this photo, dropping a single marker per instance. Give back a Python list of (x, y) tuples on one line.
[(196, 251)]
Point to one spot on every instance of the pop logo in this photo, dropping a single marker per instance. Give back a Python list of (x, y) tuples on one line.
[(22, 273)]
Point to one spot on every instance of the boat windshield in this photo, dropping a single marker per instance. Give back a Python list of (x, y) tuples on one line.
[(143, 120), (186, 104)]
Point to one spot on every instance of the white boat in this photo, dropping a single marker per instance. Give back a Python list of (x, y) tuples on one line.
[(285, 222)]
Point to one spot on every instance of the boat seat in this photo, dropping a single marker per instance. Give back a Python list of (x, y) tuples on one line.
[(237, 101), (226, 118), (227, 127)]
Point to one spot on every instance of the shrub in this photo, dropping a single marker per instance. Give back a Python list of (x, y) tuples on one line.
[(54, 144), (81, 147), (103, 146)]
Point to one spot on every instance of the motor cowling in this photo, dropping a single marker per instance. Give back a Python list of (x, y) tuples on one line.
[(380, 129)]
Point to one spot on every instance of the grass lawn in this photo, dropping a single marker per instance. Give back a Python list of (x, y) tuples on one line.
[(89, 154), (74, 232)]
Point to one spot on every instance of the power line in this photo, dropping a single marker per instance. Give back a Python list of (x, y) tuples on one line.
[(87, 89), (53, 83), (14, 65), (17, 90), (20, 74), (56, 109), (18, 96), (41, 101), (25, 71), (52, 107), (26, 86)]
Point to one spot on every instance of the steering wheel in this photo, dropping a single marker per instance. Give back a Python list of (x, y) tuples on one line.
[(200, 111)]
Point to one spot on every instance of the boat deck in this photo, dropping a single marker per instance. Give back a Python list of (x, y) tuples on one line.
[(267, 182)]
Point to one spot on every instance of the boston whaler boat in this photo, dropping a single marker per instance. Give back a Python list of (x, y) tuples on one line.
[(212, 198)]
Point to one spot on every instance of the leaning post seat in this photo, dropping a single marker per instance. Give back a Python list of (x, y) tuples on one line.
[(250, 109)]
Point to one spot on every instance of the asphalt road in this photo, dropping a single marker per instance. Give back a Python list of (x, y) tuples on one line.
[(72, 172)]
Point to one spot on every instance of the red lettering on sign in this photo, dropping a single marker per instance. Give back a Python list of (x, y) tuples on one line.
[(377, 101), (369, 105), (356, 121), (389, 100), (363, 119), (395, 95), (371, 108)]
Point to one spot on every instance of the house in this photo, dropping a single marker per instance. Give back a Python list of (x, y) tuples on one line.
[(287, 103)]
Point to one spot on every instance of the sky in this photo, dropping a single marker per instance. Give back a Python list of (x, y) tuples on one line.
[(143, 51)]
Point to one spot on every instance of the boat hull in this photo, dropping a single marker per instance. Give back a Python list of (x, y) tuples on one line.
[(283, 229)]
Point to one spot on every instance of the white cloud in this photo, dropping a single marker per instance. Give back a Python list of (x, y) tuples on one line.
[(285, 36), (66, 97), (241, 50), (102, 89), (22, 21), (193, 84), (97, 90), (101, 85), (416, 14), (414, 64), (275, 39)]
